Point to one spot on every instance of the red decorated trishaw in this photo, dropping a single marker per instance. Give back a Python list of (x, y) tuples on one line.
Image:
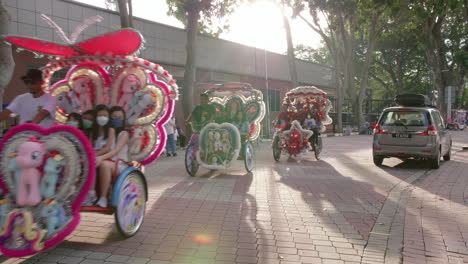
[(304, 116)]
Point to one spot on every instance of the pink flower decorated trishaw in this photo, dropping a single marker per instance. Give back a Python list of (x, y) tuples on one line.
[(216, 144), (304, 116), (46, 173)]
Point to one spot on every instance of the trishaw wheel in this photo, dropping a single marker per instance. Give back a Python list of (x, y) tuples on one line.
[(318, 148), (249, 157), (131, 205), (277, 148), (191, 164)]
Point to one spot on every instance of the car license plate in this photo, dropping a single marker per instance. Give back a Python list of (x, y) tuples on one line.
[(401, 135)]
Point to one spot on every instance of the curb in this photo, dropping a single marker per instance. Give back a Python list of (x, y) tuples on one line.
[(324, 136), (340, 134)]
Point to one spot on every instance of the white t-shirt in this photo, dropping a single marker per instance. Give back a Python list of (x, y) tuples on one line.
[(169, 126), (27, 107)]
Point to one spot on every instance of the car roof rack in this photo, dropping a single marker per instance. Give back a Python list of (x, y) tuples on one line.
[(415, 100)]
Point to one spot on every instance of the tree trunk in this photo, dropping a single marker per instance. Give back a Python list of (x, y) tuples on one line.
[(435, 54), (130, 13), (7, 64), (365, 73), (460, 84), (123, 11), (190, 63), (291, 57)]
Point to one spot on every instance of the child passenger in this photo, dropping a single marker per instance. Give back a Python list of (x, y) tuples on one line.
[(106, 163)]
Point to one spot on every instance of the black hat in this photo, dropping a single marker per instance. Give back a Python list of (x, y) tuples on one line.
[(33, 75)]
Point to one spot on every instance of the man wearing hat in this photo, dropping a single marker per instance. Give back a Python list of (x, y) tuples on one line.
[(36, 106)]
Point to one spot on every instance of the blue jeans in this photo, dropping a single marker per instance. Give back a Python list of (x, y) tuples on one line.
[(170, 144)]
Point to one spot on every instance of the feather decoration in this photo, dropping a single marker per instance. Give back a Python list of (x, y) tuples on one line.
[(88, 22), (57, 28)]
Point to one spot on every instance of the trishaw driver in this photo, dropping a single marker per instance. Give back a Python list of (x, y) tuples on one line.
[(36, 106), (202, 113)]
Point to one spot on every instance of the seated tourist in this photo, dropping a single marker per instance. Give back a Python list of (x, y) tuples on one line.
[(116, 159), (242, 124), (74, 119), (88, 119), (102, 134)]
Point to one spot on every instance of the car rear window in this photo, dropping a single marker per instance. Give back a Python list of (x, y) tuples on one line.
[(404, 118)]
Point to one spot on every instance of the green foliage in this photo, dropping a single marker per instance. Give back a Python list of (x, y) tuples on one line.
[(320, 55), (212, 14)]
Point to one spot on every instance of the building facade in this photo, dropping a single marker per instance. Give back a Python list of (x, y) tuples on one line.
[(217, 60)]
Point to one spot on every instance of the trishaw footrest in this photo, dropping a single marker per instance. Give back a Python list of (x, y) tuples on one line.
[(97, 209)]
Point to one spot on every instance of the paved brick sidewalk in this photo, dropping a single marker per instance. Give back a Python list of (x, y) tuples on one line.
[(292, 211), (436, 224)]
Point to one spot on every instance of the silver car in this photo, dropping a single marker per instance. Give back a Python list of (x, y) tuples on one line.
[(411, 132)]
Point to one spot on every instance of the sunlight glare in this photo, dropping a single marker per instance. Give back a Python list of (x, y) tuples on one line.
[(258, 24)]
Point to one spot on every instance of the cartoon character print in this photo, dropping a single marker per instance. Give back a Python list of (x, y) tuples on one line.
[(30, 157), (130, 85), (81, 93), (136, 142), (52, 169)]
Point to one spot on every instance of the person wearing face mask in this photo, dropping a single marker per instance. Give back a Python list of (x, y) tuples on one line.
[(102, 133), (102, 136), (116, 160), (88, 117), (36, 106), (74, 119)]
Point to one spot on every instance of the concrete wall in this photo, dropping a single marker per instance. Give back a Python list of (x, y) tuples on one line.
[(164, 44)]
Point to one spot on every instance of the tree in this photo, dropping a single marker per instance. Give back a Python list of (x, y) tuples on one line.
[(319, 55), (125, 11), (7, 64), (290, 45), (198, 16), (444, 31)]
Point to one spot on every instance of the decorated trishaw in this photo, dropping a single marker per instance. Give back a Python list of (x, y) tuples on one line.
[(216, 145), (304, 116), (46, 173)]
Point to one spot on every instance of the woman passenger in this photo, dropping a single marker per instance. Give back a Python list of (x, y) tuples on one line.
[(88, 118), (102, 134), (106, 163), (74, 119)]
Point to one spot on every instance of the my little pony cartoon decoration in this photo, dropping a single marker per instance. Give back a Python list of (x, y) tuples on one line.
[(82, 87), (53, 167), (130, 85), (38, 219), (54, 216), (30, 157)]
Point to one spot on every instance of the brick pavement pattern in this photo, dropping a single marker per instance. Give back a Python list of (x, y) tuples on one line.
[(342, 209)]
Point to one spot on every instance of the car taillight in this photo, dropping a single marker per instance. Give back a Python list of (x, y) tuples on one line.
[(430, 131), (377, 130)]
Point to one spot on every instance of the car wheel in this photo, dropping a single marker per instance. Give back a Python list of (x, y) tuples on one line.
[(435, 162), (448, 155), (378, 160)]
